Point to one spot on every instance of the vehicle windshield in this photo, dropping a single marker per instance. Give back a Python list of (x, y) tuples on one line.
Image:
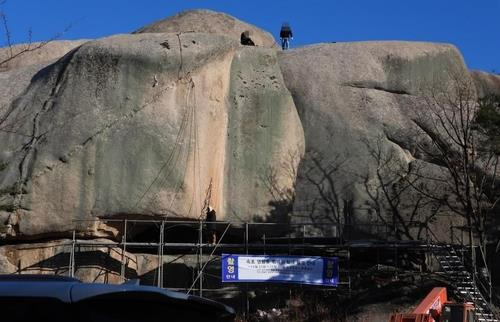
[(453, 313)]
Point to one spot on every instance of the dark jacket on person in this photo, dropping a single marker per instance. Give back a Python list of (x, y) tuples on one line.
[(286, 32), (211, 219)]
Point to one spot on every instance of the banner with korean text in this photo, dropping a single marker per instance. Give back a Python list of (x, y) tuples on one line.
[(313, 270)]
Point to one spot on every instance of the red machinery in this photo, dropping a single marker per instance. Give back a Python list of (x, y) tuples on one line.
[(436, 308)]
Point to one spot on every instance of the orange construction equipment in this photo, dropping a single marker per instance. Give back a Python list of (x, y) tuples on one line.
[(436, 308)]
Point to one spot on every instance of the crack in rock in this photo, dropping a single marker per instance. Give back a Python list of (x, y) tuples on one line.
[(375, 87), (30, 153), (66, 158)]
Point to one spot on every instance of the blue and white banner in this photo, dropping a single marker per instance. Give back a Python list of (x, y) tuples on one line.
[(313, 270)]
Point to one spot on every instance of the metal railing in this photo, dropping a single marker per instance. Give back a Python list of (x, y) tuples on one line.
[(482, 283), (247, 237)]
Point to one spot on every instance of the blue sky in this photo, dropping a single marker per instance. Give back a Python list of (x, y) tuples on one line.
[(471, 25)]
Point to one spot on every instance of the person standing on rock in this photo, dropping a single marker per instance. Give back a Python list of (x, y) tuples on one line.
[(211, 218), (285, 35)]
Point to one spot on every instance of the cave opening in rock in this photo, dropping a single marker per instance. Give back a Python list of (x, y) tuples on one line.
[(246, 40)]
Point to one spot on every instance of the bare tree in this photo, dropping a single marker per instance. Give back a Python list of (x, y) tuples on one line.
[(455, 140), (389, 186), (487, 121), (322, 203), (13, 51), (321, 173), (281, 181), (285, 171)]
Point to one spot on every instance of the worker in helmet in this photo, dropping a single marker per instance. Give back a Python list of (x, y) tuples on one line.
[(285, 35), (211, 218)]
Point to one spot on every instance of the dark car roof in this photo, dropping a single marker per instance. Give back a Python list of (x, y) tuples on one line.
[(37, 286), (71, 290)]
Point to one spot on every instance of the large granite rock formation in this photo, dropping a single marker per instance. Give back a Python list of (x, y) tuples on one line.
[(179, 113), (145, 124), (353, 98)]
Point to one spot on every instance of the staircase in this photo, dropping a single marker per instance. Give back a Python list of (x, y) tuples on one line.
[(465, 285)]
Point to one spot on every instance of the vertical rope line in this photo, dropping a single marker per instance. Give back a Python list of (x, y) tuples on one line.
[(183, 175), (170, 163), (197, 149), (191, 149)]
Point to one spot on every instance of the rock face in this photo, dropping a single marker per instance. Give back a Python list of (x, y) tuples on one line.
[(16, 74), (36, 53), (486, 83), (96, 263), (145, 124), (206, 21), (179, 115), (93, 262), (354, 98), (259, 132)]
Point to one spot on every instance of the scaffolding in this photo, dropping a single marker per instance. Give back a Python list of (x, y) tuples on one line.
[(187, 237), (247, 238)]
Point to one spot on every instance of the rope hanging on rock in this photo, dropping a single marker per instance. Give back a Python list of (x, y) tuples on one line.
[(177, 154)]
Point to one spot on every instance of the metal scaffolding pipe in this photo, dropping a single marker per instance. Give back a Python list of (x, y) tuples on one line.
[(72, 256), (200, 259), (124, 249)]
